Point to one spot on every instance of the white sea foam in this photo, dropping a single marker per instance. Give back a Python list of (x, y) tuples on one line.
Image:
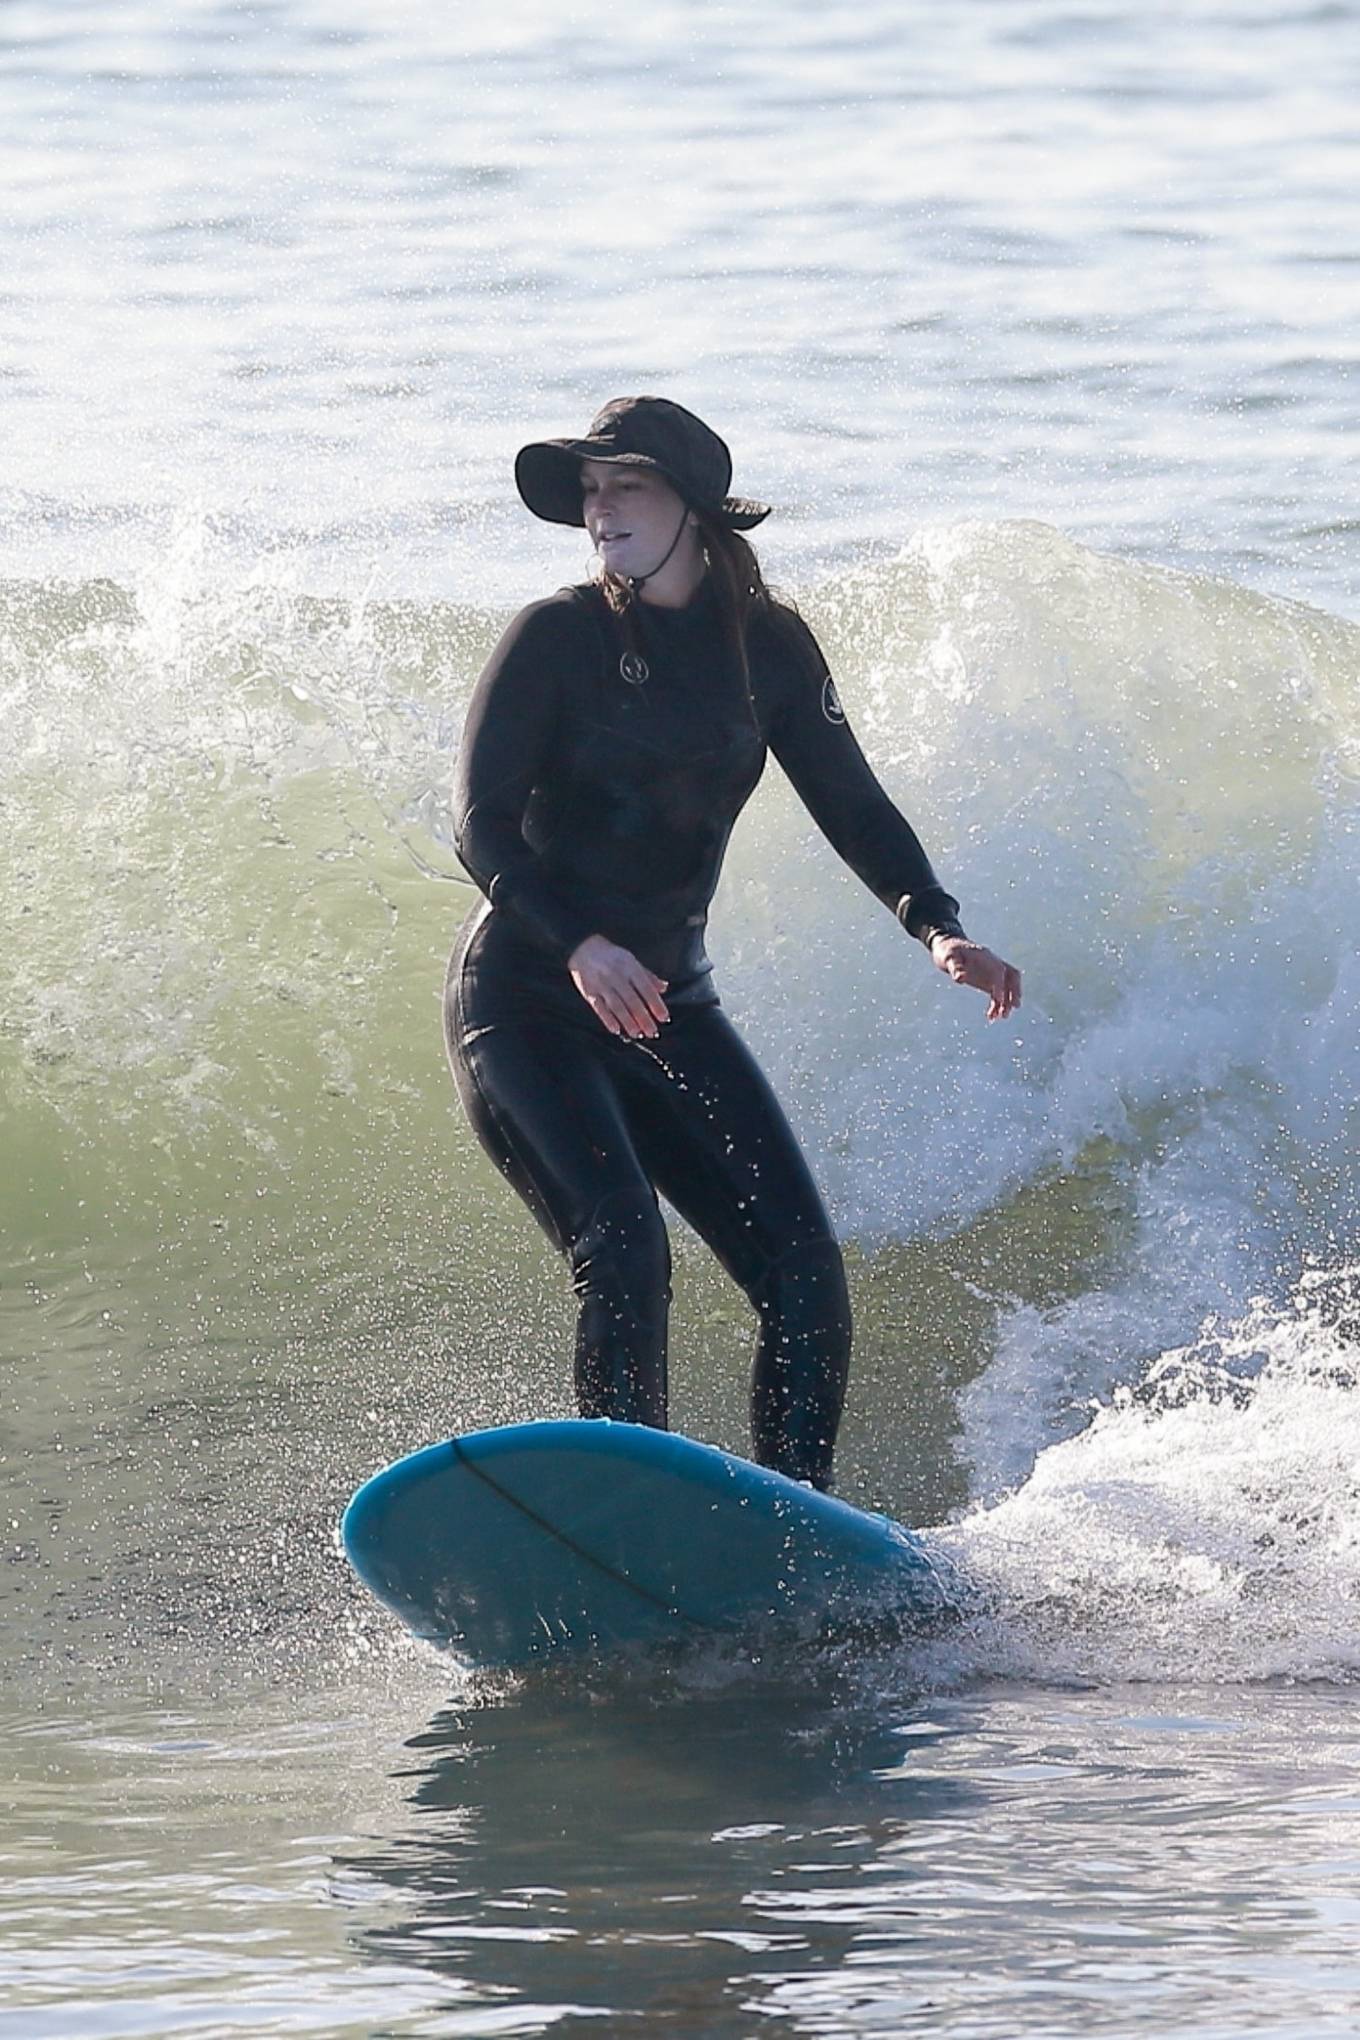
[(1204, 1526), (1002, 261)]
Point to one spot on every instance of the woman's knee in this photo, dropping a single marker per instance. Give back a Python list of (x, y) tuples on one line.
[(620, 1257), (803, 1298)]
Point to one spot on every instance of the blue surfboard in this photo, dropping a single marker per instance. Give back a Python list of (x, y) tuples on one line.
[(588, 1537)]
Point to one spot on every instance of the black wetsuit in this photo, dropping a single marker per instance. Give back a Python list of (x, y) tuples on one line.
[(595, 795)]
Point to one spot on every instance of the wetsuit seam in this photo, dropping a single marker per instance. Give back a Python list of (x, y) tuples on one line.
[(465, 1042), (641, 743), (511, 1148), (773, 1265)]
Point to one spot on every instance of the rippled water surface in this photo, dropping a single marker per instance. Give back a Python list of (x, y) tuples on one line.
[(1070, 1862), (314, 272)]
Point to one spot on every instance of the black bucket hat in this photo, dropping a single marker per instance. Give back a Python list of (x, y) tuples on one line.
[(648, 432)]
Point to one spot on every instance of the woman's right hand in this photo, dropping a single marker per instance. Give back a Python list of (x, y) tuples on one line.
[(620, 991)]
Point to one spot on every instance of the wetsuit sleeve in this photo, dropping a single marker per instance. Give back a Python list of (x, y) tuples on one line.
[(817, 749), (512, 721)]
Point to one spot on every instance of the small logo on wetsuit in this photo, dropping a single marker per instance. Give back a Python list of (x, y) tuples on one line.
[(831, 701), (634, 669)]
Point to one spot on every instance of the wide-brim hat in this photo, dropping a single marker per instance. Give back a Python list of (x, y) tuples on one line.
[(646, 432)]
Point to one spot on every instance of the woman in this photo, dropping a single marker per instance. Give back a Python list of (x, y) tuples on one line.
[(612, 739)]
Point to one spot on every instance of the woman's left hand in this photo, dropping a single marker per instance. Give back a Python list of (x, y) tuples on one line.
[(968, 963)]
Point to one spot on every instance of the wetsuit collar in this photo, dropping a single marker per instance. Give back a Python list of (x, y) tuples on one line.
[(700, 603)]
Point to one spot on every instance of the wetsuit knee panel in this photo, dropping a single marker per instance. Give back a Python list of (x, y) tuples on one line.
[(622, 1253), (806, 1292)]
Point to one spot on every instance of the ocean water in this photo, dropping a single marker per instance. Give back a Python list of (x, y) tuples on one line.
[(1037, 325)]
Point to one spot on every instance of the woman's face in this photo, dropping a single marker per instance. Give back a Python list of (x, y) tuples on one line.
[(632, 515)]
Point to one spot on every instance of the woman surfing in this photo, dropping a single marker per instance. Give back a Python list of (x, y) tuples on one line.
[(613, 738)]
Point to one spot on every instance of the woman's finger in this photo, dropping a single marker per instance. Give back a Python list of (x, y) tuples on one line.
[(1008, 993), (616, 1009), (640, 1020), (630, 1002), (626, 996), (651, 989), (599, 1006), (643, 990)]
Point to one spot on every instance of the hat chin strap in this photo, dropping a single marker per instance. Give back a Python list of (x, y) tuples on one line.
[(637, 582)]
